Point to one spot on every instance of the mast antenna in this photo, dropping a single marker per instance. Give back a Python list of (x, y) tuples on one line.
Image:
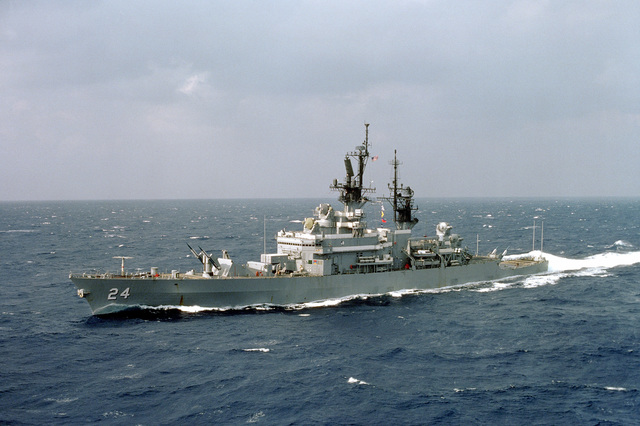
[(395, 163), (401, 199)]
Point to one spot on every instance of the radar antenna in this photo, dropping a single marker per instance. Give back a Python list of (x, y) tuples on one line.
[(352, 190)]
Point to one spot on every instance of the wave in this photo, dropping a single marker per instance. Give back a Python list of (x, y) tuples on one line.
[(600, 261), (328, 303), (598, 265), (354, 381), (620, 244), (171, 311), (614, 388)]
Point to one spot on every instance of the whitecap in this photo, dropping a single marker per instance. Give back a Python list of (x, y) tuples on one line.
[(355, 381), (132, 376), (463, 390), (620, 244), (255, 417), (116, 414), (265, 350), (541, 280), (61, 400)]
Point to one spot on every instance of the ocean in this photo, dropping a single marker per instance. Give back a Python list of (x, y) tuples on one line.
[(557, 348)]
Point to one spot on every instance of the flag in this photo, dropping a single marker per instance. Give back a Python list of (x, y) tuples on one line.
[(382, 215)]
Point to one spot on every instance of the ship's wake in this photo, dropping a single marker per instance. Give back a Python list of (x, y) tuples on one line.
[(599, 265)]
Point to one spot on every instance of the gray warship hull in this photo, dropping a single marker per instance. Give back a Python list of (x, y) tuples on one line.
[(108, 294)]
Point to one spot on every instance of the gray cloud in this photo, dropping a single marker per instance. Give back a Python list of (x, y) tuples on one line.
[(262, 99)]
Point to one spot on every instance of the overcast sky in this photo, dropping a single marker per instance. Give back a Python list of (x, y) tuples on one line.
[(245, 99)]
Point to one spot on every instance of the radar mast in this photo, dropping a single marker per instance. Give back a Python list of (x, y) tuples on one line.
[(401, 199), (352, 190)]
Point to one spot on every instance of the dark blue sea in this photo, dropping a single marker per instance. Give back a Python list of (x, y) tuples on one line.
[(559, 348)]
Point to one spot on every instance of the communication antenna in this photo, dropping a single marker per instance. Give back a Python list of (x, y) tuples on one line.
[(264, 230), (122, 265), (534, 236), (395, 163)]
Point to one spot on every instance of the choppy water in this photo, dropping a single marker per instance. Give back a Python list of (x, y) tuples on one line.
[(552, 349)]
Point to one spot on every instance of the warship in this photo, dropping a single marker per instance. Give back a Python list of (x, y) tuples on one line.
[(335, 255)]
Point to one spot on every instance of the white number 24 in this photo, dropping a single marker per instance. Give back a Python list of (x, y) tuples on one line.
[(113, 293)]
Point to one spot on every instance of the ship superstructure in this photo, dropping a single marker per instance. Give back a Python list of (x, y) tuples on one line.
[(338, 241)]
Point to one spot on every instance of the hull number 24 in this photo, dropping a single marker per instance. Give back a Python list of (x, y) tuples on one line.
[(113, 294)]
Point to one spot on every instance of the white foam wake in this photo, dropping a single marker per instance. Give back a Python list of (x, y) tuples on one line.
[(605, 260), (598, 265)]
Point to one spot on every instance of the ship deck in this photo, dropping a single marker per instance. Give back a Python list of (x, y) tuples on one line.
[(143, 276), (518, 263)]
